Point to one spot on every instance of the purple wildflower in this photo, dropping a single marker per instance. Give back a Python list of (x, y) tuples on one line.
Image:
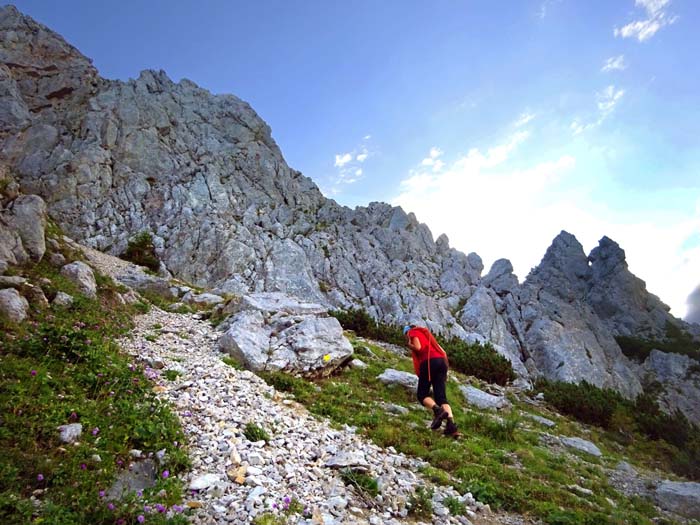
[(110, 506), (166, 473), (160, 508), (140, 518), (177, 508), (33, 372), (102, 493), (40, 477), (287, 500), (83, 466), (95, 431)]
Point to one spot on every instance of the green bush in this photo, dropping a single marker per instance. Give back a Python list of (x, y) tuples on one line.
[(420, 503), (142, 251), (254, 433), (456, 507), (603, 407), (360, 322), (365, 484), (584, 401), (478, 360), (677, 342)]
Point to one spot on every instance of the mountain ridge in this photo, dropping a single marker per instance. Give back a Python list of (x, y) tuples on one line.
[(204, 176)]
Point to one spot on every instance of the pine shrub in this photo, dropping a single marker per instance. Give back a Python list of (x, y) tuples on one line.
[(142, 251)]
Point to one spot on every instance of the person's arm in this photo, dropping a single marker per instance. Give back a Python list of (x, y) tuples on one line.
[(414, 344)]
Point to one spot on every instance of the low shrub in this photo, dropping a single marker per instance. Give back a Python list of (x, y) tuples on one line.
[(456, 507), (479, 360), (677, 342), (583, 401), (365, 484), (420, 503), (360, 322), (142, 251), (254, 433)]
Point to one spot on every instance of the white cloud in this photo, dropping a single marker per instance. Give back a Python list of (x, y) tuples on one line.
[(358, 172), (485, 205), (606, 100), (614, 64), (342, 160), (523, 119), (544, 8), (362, 157), (657, 18), (432, 158)]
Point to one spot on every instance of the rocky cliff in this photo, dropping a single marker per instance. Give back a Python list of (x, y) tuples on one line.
[(202, 173)]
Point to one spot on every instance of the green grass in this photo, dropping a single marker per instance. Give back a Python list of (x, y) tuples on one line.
[(254, 432), (62, 366), (365, 484), (500, 461)]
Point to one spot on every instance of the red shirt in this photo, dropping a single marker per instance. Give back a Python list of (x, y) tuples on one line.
[(428, 349)]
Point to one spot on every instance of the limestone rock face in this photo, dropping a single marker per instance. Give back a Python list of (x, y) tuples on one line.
[(679, 376), (294, 338), (204, 176)]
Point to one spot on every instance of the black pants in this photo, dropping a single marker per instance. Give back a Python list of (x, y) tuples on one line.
[(438, 377)]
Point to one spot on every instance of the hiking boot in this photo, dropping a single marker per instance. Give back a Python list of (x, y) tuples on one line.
[(440, 415), (451, 429)]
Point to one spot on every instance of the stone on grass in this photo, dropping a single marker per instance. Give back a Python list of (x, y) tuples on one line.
[(541, 420), (82, 276), (392, 377), (140, 475), (62, 299), (70, 433), (358, 363), (482, 400), (582, 445), (13, 305)]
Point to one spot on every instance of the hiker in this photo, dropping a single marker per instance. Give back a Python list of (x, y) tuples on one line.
[(430, 365)]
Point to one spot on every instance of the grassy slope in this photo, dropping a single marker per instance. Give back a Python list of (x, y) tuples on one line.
[(499, 459), (62, 366)]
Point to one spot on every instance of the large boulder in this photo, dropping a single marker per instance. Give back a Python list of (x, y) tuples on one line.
[(13, 306), (277, 332), (391, 377), (148, 284), (681, 498), (483, 400), (679, 377), (82, 276), (29, 217)]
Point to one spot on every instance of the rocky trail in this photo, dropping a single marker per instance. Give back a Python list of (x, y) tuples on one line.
[(233, 479)]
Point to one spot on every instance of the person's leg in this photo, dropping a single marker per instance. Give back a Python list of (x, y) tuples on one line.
[(423, 392), (440, 389)]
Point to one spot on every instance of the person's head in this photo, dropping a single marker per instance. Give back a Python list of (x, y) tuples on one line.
[(407, 328)]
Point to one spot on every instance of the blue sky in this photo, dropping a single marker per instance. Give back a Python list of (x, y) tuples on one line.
[(498, 123)]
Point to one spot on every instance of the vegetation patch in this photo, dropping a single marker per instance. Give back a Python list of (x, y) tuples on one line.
[(501, 463), (254, 433), (62, 366), (365, 485), (677, 342), (142, 251)]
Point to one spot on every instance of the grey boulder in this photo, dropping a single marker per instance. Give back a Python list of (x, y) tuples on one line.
[(70, 433), (678, 497), (13, 305), (82, 276), (583, 445), (393, 377), (482, 400)]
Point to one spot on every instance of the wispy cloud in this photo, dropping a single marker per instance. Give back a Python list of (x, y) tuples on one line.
[(348, 167), (657, 18), (523, 119), (433, 159), (614, 64), (544, 8), (342, 159), (607, 100)]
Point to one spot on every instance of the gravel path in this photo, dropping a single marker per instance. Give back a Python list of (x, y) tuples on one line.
[(239, 479)]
